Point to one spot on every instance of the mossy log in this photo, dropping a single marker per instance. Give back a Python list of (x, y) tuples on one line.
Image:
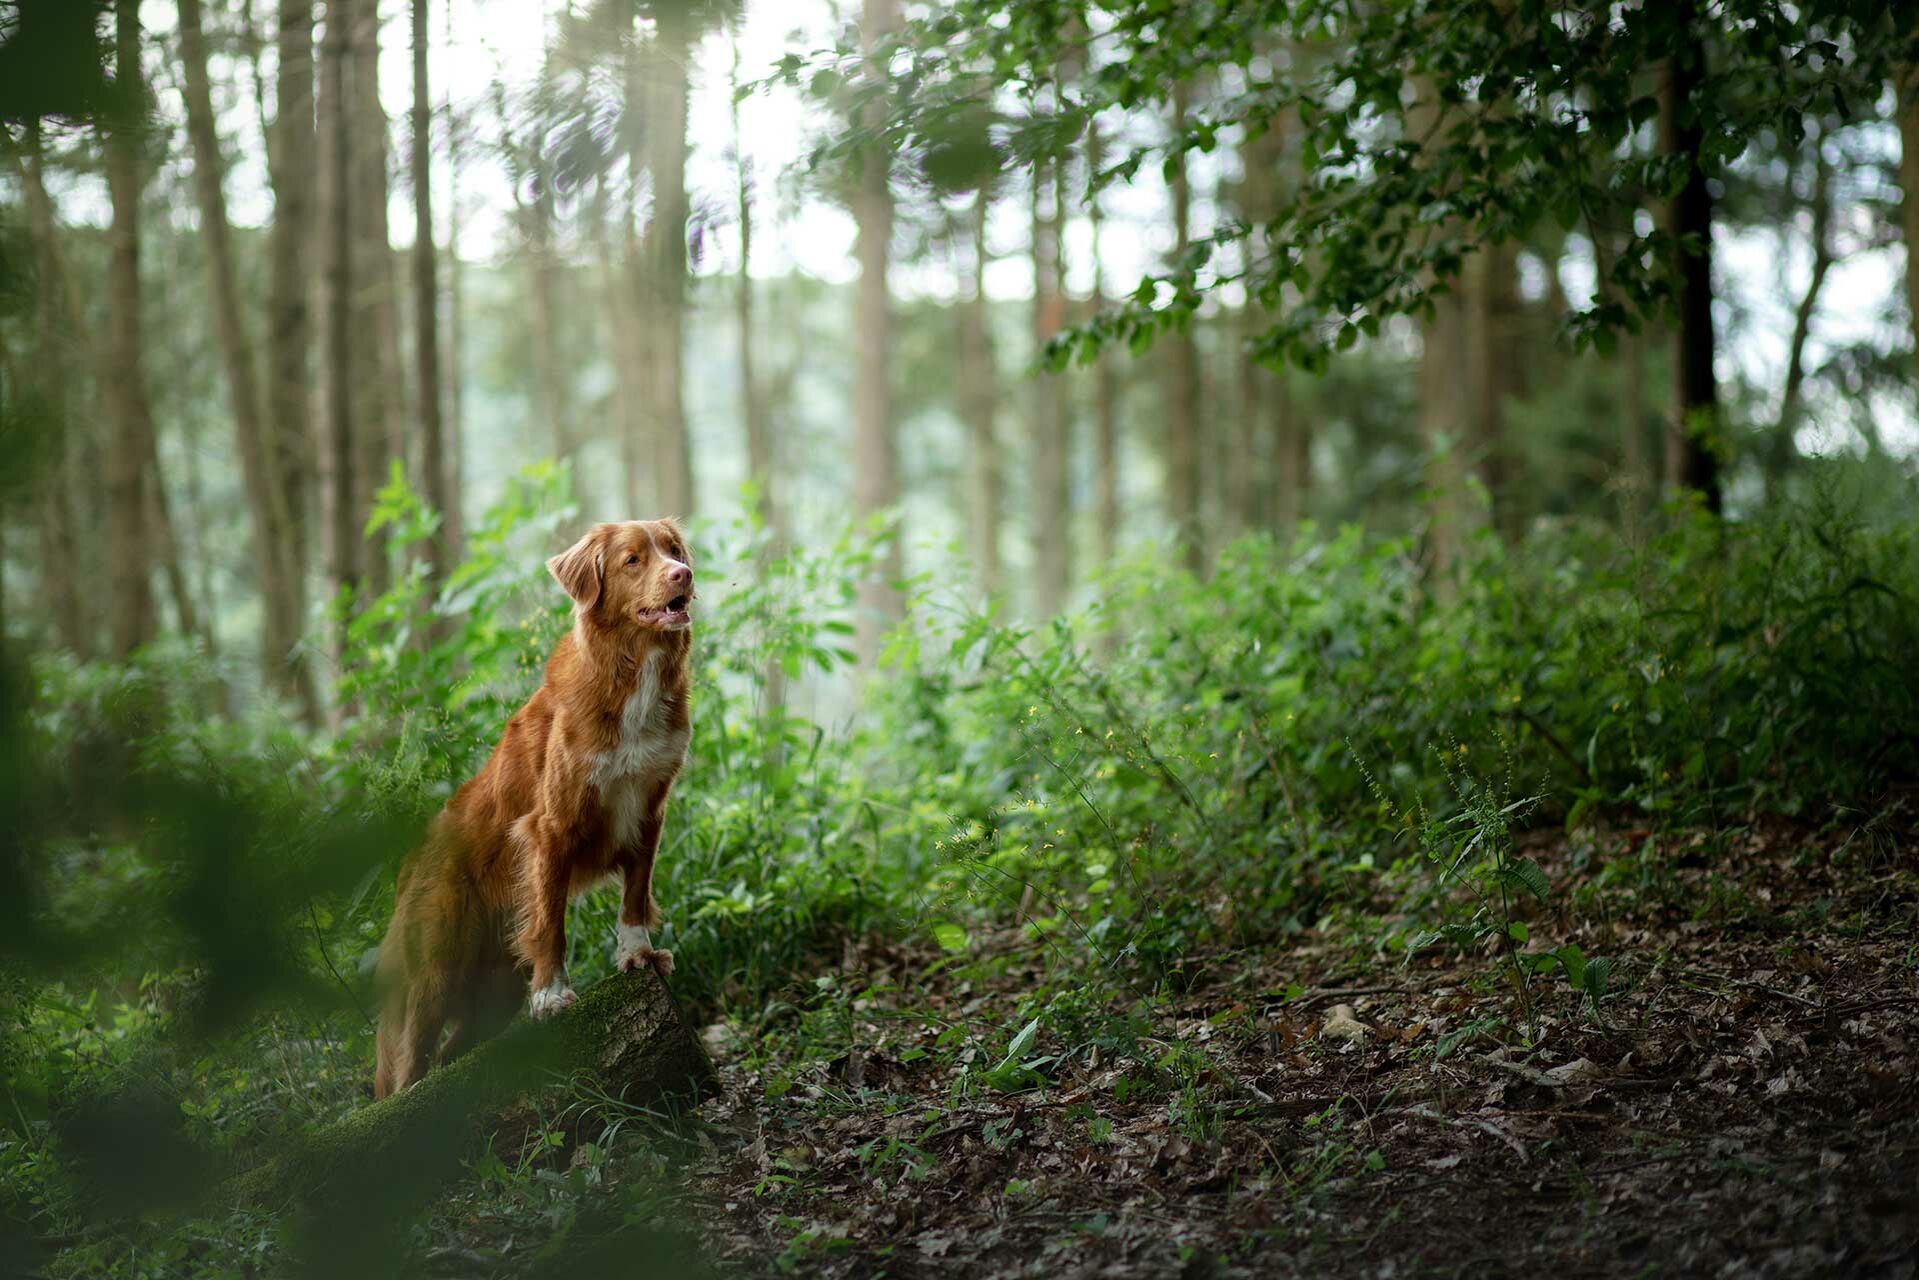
[(627, 1032)]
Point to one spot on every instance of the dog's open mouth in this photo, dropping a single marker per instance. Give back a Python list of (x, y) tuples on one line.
[(672, 617)]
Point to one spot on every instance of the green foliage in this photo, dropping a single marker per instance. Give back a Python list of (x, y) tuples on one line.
[(1186, 769), (1451, 125), (1173, 766)]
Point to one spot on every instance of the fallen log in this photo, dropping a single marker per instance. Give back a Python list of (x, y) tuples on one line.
[(387, 1160)]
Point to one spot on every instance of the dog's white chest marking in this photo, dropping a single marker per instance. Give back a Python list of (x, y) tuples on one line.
[(648, 748)]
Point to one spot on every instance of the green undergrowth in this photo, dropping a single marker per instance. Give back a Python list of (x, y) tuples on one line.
[(1323, 737)]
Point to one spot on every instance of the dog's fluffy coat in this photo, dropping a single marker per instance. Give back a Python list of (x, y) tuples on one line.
[(575, 792)]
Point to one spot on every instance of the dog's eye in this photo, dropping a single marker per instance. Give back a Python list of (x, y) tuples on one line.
[(673, 549), (631, 560)]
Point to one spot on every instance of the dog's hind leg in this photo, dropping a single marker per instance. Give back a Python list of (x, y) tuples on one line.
[(484, 1011), (407, 1055)]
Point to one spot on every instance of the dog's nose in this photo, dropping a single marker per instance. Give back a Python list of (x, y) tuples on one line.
[(679, 576)]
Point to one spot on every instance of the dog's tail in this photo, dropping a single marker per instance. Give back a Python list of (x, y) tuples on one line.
[(389, 1054)]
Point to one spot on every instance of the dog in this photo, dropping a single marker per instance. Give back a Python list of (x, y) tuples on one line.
[(574, 793)]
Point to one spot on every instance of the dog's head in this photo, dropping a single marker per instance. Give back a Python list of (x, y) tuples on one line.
[(636, 574)]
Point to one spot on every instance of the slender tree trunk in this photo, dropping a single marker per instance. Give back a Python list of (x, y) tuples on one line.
[(979, 407), (1105, 382), (666, 237), (760, 462), (551, 386), (274, 554), (638, 451), (1492, 306), (876, 486), (426, 297), (378, 374), (453, 532), (342, 486), (1909, 187), (131, 619), (1783, 451), (1247, 477), (1443, 414), (1183, 447), (289, 398), (1693, 434), (173, 569), (1051, 523), (48, 378)]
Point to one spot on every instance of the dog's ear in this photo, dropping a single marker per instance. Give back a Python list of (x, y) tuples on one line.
[(582, 567)]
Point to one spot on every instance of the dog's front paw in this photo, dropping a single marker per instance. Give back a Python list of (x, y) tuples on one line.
[(636, 951), (550, 999)]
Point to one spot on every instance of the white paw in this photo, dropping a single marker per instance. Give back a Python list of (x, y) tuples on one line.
[(549, 1000), (636, 950)]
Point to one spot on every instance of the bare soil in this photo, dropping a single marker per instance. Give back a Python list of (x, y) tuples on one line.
[(1746, 1103)]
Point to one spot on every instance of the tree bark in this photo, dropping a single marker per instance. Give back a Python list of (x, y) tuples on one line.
[(378, 376), (274, 554), (666, 258), (48, 377), (426, 299), (453, 481), (289, 399), (1491, 307), (1909, 189), (552, 388), (876, 486), (342, 487), (1443, 414), (761, 465), (1693, 433), (1105, 382), (979, 408), (637, 451), (1051, 502), (377, 1167), (1783, 448), (131, 618), (1183, 446)]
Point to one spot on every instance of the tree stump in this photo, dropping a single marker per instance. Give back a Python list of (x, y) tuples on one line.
[(384, 1163)]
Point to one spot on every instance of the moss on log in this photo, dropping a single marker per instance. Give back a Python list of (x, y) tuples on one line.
[(390, 1157)]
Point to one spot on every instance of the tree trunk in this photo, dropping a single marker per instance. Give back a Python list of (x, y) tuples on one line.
[(372, 1172), (426, 299), (274, 555), (666, 241), (1693, 434), (343, 496), (1491, 307), (54, 333), (289, 400), (378, 438), (1183, 449), (173, 569), (1909, 188), (130, 619), (1443, 414), (761, 465), (1051, 503), (552, 389), (1105, 382), (876, 486), (1783, 449), (979, 408), (453, 482)]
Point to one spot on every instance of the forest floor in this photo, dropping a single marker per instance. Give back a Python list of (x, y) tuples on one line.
[(1745, 1103)]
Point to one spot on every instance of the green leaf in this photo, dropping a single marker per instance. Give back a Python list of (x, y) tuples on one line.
[(951, 937)]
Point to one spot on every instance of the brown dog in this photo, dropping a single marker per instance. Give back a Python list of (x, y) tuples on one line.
[(575, 792)]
